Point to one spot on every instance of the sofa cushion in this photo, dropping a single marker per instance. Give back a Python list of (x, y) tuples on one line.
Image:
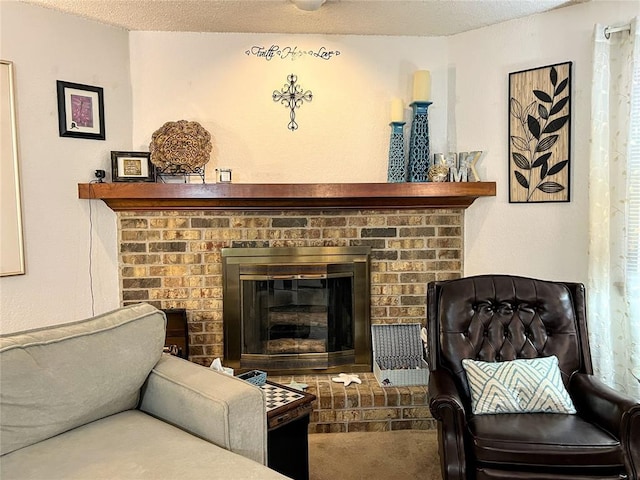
[(131, 445), (58, 378), (543, 439)]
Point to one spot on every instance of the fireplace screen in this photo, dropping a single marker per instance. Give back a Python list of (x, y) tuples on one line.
[(295, 310)]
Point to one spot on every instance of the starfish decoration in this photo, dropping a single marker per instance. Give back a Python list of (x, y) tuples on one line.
[(292, 96), (298, 386), (347, 378)]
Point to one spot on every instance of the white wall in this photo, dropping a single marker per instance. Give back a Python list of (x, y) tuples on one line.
[(343, 134), (46, 46), (546, 240)]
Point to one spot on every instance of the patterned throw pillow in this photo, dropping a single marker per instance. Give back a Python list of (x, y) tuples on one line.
[(517, 386)]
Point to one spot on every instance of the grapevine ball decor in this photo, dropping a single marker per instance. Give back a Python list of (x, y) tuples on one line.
[(180, 148)]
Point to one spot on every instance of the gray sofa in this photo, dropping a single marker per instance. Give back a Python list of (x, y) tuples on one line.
[(97, 399)]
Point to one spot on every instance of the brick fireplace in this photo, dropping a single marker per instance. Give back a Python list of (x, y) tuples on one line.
[(172, 235), (173, 259)]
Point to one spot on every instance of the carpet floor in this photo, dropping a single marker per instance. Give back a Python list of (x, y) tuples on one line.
[(397, 455)]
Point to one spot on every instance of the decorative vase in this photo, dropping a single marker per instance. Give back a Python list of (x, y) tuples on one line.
[(397, 170), (419, 161)]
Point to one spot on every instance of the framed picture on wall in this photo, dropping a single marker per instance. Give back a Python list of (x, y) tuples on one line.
[(11, 235), (80, 111), (539, 134), (132, 167)]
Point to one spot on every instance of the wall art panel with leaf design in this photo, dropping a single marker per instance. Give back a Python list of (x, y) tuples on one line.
[(539, 134)]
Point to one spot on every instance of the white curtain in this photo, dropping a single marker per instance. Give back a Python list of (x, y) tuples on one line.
[(613, 288)]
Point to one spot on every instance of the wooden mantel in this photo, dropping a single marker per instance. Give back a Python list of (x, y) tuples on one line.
[(224, 196)]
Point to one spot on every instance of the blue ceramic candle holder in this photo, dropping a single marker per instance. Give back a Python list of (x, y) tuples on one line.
[(397, 170), (419, 161)]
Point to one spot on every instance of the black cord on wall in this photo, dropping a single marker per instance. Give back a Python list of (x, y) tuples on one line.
[(93, 300)]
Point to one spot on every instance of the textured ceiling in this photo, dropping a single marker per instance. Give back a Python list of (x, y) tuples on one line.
[(346, 17)]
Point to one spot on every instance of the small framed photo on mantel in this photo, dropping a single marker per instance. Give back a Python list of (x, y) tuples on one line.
[(80, 111), (132, 167)]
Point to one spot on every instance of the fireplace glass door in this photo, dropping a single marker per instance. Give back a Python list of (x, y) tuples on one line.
[(298, 314), (291, 312)]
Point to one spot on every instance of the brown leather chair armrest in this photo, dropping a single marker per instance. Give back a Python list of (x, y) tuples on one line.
[(443, 392), (447, 407), (613, 411)]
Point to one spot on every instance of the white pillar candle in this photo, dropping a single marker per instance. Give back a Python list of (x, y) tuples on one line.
[(397, 110), (421, 86)]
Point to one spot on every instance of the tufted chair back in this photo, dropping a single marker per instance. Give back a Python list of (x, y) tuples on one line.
[(495, 318)]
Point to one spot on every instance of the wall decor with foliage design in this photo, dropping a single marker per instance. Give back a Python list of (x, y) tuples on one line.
[(539, 134)]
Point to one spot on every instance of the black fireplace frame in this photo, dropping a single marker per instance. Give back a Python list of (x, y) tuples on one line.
[(235, 261)]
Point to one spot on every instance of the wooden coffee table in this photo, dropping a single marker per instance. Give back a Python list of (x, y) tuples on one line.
[(287, 422)]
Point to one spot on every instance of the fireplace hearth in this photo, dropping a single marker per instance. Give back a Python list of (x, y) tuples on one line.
[(297, 310)]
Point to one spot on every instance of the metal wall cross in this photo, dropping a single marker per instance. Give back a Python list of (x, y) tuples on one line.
[(292, 96)]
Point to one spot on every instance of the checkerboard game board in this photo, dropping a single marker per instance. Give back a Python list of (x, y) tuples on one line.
[(277, 397)]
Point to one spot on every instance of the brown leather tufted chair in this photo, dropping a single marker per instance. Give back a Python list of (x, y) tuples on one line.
[(497, 318)]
